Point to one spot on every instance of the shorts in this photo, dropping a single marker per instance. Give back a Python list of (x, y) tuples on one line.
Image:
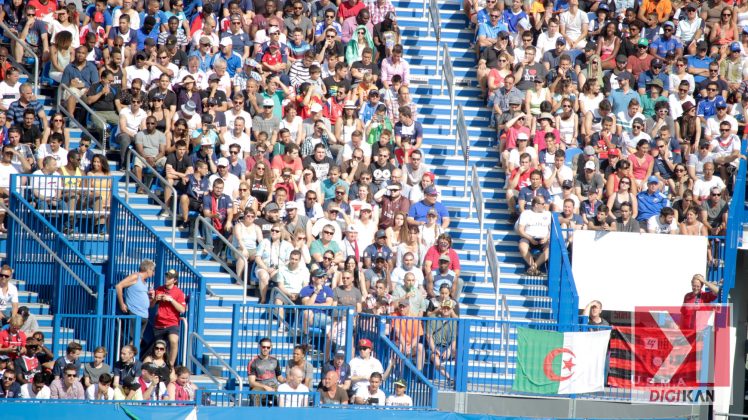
[(165, 332), (195, 205), (320, 320), (74, 91), (538, 247), (160, 164)]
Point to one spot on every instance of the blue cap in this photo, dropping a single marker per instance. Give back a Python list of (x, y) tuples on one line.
[(720, 102), (735, 47), (653, 180), (560, 41), (603, 6), (668, 23), (319, 273)]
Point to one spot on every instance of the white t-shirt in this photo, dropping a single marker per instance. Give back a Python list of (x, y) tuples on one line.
[(515, 153), (134, 18), (27, 392), (230, 183), (46, 185), (287, 400), (659, 226), (156, 72), (5, 172), (133, 121), (364, 393), (138, 73), (566, 173), (545, 43), (243, 141), (398, 275), (93, 390), (537, 225), (9, 298), (399, 401), (61, 155), (720, 149), (574, 24), (201, 79), (364, 368), (9, 94), (712, 126), (231, 116), (224, 83), (349, 148), (702, 188)]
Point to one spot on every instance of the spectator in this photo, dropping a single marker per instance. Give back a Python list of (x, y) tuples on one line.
[(131, 120), (157, 361), (12, 339), (348, 295), (130, 391), (9, 387), (627, 221), (67, 387), (132, 294), (317, 294), (409, 266), (330, 391), (8, 295), (294, 385), (182, 388), (101, 389), (399, 398), (151, 147), (93, 371), (665, 222), (127, 369), (26, 101), (534, 228), (371, 394), (36, 389), (30, 323), (71, 357), (693, 300), (407, 333), (714, 212), (411, 294), (264, 370), (28, 364), (443, 299), (272, 254), (219, 208), (418, 211), (593, 311), (651, 201), (441, 337), (171, 305)]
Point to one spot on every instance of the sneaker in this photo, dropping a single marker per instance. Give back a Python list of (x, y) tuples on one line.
[(164, 213)]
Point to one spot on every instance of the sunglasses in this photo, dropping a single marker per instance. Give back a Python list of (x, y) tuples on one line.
[(5, 276), (266, 347), (327, 232), (160, 348), (275, 230)]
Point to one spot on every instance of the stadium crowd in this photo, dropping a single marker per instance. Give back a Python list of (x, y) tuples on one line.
[(618, 115), (289, 126)]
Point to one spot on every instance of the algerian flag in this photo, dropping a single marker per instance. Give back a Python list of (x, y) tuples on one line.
[(560, 363)]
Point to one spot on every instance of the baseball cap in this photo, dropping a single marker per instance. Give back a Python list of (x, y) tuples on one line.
[(226, 41), (735, 47), (523, 135), (720, 103), (340, 353), (400, 382), (380, 234), (273, 30), (690, 6), (172, 274), (567, 184), (319, 273), (637, 121), (653, 180), (589, 165), (272, 207), (560, 41), (315, 107), (513, 100), (589, 150), (222, 162), (394, 187), (98, 17), (668, 23), (292, 205), (365, 207), (206, 142), (444, 258), (374, 92), (656, 63), (171, 40), (644, 42), (655, 82), (236, 18), (365, 342), (430, 190), (213, 77), (620, 58), (268, 102), (614, 152), (351, 228)]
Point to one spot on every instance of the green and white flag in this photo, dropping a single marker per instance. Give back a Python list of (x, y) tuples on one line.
[(560, 363)]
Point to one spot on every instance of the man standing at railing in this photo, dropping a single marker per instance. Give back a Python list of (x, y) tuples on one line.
[(132, 293), (171, 305)]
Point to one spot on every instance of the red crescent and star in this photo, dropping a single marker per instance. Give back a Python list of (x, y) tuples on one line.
[(548, 364)]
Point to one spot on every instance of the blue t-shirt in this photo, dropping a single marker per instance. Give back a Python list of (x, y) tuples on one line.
[(707, 107), (699, 63), (647, 76), (322, 296), (373, 252), (663, 46), (419, 210), (527, 194)]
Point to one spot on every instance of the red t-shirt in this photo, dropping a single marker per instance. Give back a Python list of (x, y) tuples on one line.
[(692, 303), (167, 315), (433, 255), (279, 163), (9, 340), (345, 10), (43, 9), (524, 179)]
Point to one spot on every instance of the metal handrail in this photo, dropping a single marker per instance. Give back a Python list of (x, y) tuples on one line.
[(476, 198), (200, 220), (184, 339), (734, 230), (464, 143), (492, 267), (46, 247), (448, 77), (435, 23), (164, 182), (63, 87), (7, 32), (223, 363)]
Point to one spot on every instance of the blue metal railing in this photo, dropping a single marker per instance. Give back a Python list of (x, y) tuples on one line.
[(734, 232), (51, 265), (561, 287), (82, 214), (398, 343), (286, 327), (131, 240), (91, 331), (244, 398)]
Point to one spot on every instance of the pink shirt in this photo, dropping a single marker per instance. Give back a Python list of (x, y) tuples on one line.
[(390, 69)]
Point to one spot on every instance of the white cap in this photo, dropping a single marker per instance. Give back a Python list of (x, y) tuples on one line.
[(222, 162), (315, 107), (351, 228), (365, 206), (523, 135), (206, 142), (292, 205), (273, 30), (589, 165), (225, 41), (268, 102)]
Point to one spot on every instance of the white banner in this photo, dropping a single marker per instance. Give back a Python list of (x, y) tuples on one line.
[(625, 270)]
